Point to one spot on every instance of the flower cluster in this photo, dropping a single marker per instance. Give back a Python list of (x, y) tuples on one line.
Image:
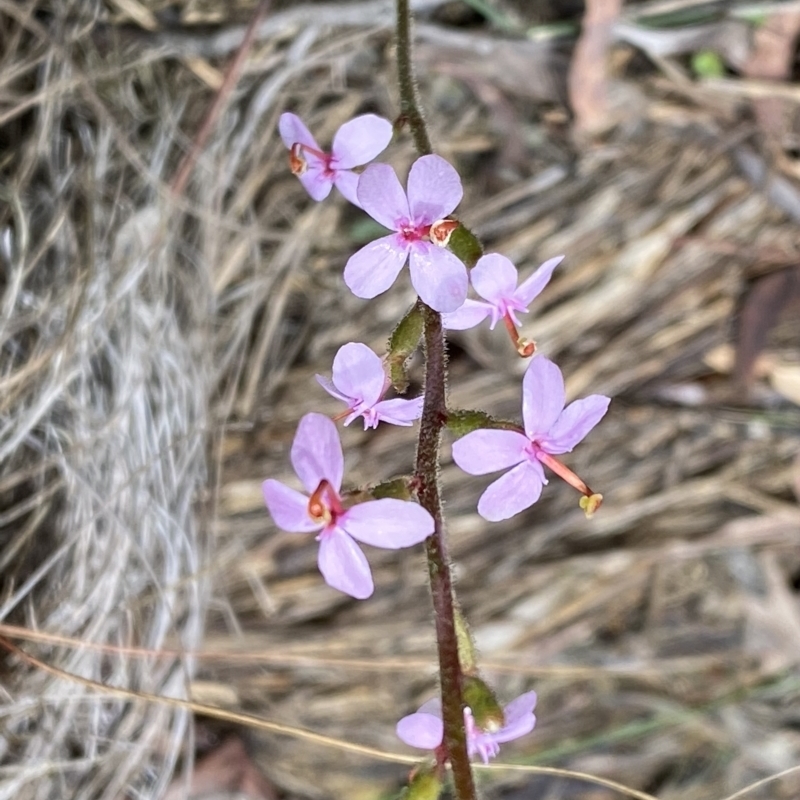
[(423, 233)]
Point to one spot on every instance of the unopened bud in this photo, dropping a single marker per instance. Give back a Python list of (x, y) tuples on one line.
[(486, 710), (424, 784)]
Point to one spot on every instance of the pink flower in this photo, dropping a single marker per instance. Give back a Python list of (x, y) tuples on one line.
[(550, 429), (420, 234), (494, 278), (318, 461), (359, 379), (355, 143), (425, 729)]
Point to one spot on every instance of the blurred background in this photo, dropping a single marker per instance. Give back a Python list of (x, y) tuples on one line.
[(168, 292)]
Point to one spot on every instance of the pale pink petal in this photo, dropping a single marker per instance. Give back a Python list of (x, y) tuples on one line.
[(360, 140), (576, 420), (532, 286), (434, 190), (317, 452), (288, 507), (347, 183), (382, 197), (399, 411), (388, 523), (494, 278), (293, 130), (519, 718), (421, 730), (375, 267), (486, 450), (328, 386), (316, 182), (343, 564), (542, 396), (359, 373), (515, 491), (438, 277), (432, 706), (472, 313)]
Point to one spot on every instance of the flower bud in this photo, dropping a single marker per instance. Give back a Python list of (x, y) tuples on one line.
[(402, 343), (465, 244), (486, 710), (424, 784)]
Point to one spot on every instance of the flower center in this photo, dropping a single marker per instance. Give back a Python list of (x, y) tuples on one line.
[(437, 233), (477, 741), (413, 233), (324, 505), (298, 162)]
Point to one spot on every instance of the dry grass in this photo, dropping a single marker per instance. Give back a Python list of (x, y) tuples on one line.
[(149, 342)]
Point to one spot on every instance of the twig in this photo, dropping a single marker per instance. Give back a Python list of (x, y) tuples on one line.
[(231, 77)]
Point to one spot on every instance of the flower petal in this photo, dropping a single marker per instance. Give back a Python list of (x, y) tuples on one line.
[(292, 129), (288, 507), (382, 197), (421, 730), (358, 373), (434, 190), (360, 140), (542, 396), (438, 276), (346, 182), (316, 182), (519, 718), (532, 286), (515, 491), (327, 385), (486, 450), (375, 267), (317, 452), (388, 523), (399, 411), (432, 706), (494, 277), (575, 421), (343, 564), (472, 313)]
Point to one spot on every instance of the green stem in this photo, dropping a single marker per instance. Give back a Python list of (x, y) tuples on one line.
[(426, 470), (409, 99)]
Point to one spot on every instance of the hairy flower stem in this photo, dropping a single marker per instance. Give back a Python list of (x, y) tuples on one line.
[(410, 108), (434, 417)]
